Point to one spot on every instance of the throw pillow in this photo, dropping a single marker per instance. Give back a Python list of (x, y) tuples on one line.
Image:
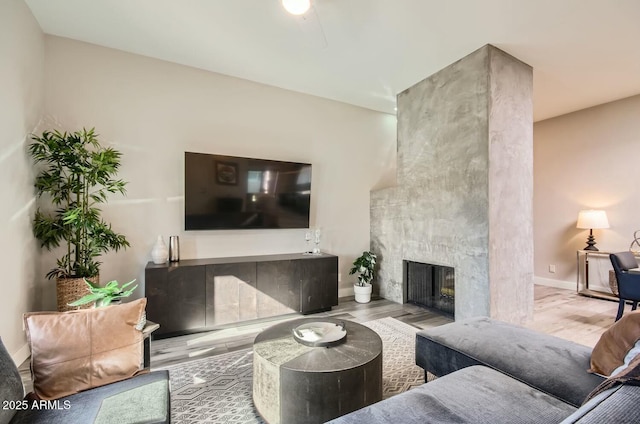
[(630, 376), (78, 350), (630, 356), (615, 343)]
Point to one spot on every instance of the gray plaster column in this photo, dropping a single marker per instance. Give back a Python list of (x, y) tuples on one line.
[(465, 186)]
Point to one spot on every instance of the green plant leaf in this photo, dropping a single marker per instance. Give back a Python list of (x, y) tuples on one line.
[(76, 173), (128, 284), (91, 284), (364, 265), (111, 285), (87, 299), (106, 294)]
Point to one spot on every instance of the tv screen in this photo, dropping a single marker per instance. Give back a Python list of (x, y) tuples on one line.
[(228, 192)]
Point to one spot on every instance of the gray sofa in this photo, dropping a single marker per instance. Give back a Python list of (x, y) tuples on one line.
[(492, 372), (141, 399)]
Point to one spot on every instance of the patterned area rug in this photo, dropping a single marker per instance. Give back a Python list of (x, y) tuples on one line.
[(218, 389), (399, 371)]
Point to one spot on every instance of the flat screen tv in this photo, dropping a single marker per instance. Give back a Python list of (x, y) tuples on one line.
[(231, 193)]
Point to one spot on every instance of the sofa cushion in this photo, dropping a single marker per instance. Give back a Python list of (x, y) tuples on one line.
[(141, 399), (78, 350), (474, 395), (552, 365), (611, 349)]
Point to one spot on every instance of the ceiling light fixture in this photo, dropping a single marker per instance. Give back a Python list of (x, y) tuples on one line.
[(296, 7)]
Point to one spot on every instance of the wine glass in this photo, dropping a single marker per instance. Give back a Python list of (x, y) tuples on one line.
[(316, 240), (307, 238)]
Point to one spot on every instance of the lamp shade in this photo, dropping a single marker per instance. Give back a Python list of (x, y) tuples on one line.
[(591, 218)]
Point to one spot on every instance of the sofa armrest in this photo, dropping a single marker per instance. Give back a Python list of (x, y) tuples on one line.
[(616, 405), (552, 365), (11, 390), (144, 398)]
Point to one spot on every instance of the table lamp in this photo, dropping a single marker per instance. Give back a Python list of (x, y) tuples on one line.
[(590, 219)]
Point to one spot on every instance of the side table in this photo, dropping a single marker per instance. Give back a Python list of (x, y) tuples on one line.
[(295, 383), (584, 286), (149, 328)]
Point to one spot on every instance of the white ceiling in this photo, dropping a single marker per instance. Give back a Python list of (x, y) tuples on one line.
[(584, 52)]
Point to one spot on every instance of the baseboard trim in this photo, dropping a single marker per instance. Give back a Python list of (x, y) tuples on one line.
[(559, 284), (346, 292), (21, 355)]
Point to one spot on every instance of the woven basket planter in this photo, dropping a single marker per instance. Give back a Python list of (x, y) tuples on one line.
[(71, 289)]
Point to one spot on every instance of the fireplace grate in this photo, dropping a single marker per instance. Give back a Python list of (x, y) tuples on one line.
[(430, 286)]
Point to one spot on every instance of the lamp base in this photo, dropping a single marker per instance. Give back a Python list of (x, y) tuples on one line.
[(591, 241)]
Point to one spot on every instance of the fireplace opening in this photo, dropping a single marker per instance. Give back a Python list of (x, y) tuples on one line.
[(430, 286)]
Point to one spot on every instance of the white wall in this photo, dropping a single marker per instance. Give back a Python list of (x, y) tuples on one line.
[(154, 111), (583, 160), (21, 102)]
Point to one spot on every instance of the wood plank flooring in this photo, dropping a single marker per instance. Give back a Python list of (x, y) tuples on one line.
[(174, 350), (565, 314), (559, 312)]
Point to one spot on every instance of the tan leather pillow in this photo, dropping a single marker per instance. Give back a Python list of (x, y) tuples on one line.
[(78, 350), (609, 352)]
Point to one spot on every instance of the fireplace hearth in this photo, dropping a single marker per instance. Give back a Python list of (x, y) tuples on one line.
[(430, 286)]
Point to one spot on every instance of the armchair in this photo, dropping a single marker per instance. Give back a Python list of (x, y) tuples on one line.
[(628, 284), (86, 367), (144, 398)]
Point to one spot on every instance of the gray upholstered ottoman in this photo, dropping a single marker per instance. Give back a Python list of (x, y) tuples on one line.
[(552, 365)]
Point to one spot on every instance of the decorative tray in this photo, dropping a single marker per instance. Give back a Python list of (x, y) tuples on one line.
[(320, 333)]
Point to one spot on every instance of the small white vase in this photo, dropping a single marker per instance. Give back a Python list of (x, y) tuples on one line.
[(363, 293), (160, 252)]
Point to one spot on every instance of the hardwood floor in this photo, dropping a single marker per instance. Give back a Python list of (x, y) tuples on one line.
[(563, 313), (559, 312), (178, 349), (556, 311)]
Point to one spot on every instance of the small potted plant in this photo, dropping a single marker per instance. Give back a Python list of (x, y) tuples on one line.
[(364, 267), (104, 296)]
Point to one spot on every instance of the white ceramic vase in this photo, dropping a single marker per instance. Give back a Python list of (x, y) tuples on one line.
[(160, 252), (363, 293)]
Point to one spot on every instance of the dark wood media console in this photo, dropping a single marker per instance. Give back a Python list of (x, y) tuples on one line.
[(202, 294)]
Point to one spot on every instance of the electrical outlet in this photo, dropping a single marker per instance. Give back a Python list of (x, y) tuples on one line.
[(552, 269)]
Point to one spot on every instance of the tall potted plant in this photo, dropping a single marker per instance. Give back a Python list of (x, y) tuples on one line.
[(364, 266), (78, 174)]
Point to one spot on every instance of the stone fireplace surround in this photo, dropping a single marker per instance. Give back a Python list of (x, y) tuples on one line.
[(464, 194)]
